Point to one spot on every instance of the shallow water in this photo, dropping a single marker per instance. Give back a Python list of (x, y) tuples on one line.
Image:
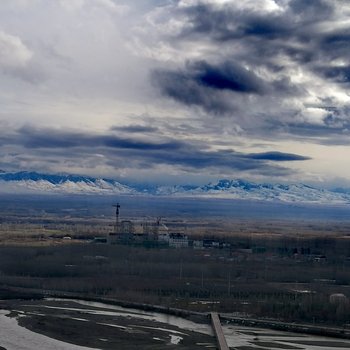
[(14, 337), (147, 315), (241, 336), (238, 336)]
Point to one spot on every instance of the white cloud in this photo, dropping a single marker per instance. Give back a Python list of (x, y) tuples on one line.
[(261, 5), (108, 5), (13, 53), (72, 5)]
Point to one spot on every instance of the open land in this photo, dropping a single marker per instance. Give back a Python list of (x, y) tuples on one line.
[(282, 263)]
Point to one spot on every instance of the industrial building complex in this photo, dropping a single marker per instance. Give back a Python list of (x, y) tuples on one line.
[(151, 233)]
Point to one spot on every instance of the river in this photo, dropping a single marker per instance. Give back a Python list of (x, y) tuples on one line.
[(60, 324)]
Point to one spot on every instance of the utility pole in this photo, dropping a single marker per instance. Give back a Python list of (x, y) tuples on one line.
[(229, 283), (116, 206), (181, 269)]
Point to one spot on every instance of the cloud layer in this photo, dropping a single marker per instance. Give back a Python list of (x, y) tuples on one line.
[(290, 57), (187, 89), (141, 152)]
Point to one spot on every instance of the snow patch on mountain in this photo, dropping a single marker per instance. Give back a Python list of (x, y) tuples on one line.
[(32, 182), (36, 183), (240, 189)]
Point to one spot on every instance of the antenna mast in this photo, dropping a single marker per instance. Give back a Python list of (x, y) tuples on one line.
[(116, 206)]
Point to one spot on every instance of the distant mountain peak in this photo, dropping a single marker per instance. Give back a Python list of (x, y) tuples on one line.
[(38, 183), (241, 189), (31, 181)]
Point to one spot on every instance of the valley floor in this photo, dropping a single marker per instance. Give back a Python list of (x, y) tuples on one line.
[(58, 324)]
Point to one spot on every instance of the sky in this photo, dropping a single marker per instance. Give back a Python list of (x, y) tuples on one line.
[(177, 92)]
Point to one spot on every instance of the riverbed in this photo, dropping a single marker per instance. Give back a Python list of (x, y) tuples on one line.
[(60, 324)]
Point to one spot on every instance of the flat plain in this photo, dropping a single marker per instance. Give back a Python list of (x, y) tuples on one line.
[(281, 262)]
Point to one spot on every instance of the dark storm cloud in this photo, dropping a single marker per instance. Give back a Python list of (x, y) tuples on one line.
[(270, 28), (186, 155), (334, 45), (321, 134), (277, 156), (337, 38), (293, 32), (217, 87), (36, 138), (227, 76), (183, 87), (334, 129), (223, 23), (338, 74), (312, 9), (135, 129), (264, 65), (115, 142), (206, 85), (227, 23)]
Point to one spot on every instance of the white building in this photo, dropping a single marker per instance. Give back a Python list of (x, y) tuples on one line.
[(178, 240)]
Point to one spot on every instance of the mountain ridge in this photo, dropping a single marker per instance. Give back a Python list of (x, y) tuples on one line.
[(40, 183)]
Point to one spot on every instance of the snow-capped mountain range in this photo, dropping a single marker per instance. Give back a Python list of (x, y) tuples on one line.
[(32, 182), (36, 183)]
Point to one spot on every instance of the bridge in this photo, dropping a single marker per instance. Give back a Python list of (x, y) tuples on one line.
[(219, 334)]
